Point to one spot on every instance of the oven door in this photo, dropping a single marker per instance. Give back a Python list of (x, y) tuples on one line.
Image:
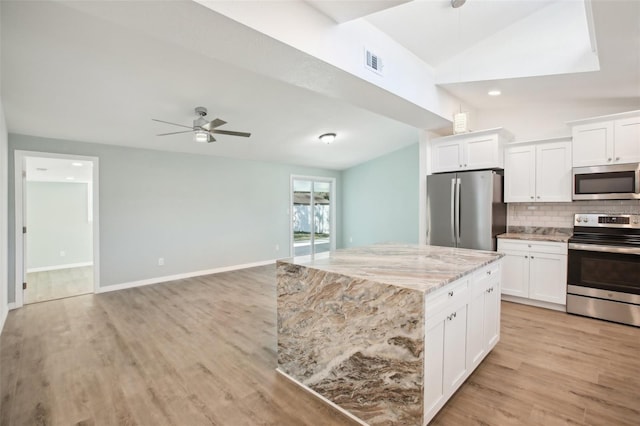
[(610, 268)]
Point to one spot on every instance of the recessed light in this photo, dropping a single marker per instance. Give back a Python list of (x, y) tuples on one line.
[(327, 138), (76, 164), (69, 178), (494, 93)]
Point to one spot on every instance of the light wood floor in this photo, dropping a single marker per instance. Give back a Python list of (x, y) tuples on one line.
[(49, 285), (201, 351)]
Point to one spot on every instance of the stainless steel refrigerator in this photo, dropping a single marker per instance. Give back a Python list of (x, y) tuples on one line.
[(466, 209)]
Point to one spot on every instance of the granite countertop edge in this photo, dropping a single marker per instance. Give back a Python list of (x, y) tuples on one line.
[(425, 288)]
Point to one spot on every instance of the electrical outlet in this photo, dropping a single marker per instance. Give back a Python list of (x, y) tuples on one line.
[(63, 253), (161, 261)]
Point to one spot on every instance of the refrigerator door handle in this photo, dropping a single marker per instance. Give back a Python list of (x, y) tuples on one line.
[(457, 213), (453, 211)]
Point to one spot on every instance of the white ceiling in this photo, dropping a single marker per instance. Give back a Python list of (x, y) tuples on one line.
[(41, 169), (75, 75)]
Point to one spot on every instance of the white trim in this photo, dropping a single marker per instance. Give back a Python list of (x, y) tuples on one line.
[(317, 395), (536, 303), (58, 267), (333, 223), (20, 166), (156, 280), (11, 306)]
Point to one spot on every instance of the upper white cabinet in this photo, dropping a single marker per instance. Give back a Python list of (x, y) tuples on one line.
[(538, 171), (469, 151), (612, 139)]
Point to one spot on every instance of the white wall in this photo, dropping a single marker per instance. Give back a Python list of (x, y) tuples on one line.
[(59, 230), (3, 218), (197, 212), (532, 121)]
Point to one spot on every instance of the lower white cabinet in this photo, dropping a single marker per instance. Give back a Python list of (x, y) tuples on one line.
[(534, 270), (459, 332), (483, 316)]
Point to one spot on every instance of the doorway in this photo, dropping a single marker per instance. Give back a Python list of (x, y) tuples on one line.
[(313, 215), (56, 226)]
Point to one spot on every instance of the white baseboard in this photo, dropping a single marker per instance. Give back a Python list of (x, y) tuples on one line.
[(317, 395), (537, 303), (11, 306), (57, 267), (157, 280)]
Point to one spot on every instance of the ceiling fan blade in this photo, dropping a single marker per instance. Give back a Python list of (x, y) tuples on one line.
[(174, 124), (213, 124), (231, 133), (210, 138), (175, 133)]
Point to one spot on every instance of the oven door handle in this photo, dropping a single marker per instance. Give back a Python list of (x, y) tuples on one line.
[(605, 249)]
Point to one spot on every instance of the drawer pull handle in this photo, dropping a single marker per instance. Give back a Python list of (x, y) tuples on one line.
[(450, 293), (526, 257), (532, 257), (488, 272)]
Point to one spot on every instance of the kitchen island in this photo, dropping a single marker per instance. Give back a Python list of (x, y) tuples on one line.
[(387, 333)]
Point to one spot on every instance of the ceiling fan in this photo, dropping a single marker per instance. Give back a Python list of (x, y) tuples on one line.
[(202, 128)]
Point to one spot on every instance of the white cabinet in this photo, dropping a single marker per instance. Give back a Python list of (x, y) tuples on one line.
[(538, 172), (483, 316), (445, 336), (534, 270), (469, 151), (462, 326), (613, 139)]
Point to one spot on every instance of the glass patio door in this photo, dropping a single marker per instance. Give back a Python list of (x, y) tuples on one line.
[(312, 216)]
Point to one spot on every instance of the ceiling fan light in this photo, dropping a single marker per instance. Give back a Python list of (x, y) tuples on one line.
[(327, 138), (201, 136)]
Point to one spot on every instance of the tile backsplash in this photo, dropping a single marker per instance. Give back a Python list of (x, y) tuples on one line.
[(560, 215)]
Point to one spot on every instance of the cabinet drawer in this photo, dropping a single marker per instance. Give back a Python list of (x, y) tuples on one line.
[(484, 278), (529, 245), (447, 297)]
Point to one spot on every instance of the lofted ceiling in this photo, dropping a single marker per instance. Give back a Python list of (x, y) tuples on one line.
[(100, 71)]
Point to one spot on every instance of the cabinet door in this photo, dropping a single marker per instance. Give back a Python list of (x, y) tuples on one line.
[(627, 140), (492, 314), (519, 174), (434, 391), (592, 144), (548, 277), (553, 172), (446, 156), (455, 355), (476, 346), (481, 153), (515, 274)]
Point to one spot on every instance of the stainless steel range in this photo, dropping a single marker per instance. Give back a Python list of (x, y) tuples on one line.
[(603, 279)]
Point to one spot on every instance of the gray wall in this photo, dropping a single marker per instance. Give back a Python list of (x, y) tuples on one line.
[(380, 199), (197, 212), (57, 221)]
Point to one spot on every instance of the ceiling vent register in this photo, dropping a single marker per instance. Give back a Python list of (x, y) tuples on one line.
[(372, 61)]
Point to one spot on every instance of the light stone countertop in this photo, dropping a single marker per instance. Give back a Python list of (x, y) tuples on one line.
[(537, 233), (417, 267), (559, 238)]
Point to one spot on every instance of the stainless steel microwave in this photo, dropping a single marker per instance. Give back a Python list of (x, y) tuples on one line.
[(613, 182)]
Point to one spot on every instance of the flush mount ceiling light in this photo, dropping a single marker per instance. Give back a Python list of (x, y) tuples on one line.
[(494, 93), (457, 3), (327, 138)]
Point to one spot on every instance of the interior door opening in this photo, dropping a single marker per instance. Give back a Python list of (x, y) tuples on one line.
[(313, 215), (56, 252)]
